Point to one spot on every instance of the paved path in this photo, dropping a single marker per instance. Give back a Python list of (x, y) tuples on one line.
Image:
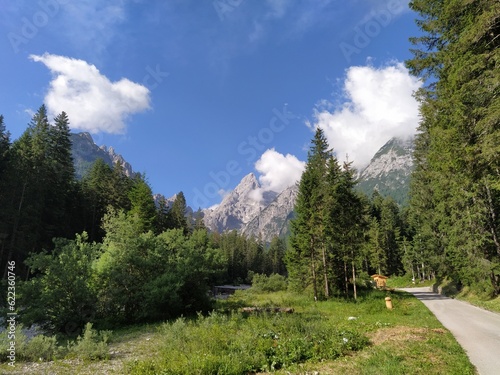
[(476, 330)]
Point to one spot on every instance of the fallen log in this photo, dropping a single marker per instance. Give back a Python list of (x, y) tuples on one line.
[(252, 310)]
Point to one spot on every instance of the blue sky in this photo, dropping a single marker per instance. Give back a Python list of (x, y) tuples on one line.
[(198, 93)]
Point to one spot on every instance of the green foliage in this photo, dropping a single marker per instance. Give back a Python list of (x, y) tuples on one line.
[(4, 147), (38, 348), (307, 252), (455, 194), (42, 348), (327, 232), (232, 344), (61, 298), (142, 276), (37, 188), (104, 187), (272, 283), (174, 217), (21, 341), (142, 203), (93, 345)]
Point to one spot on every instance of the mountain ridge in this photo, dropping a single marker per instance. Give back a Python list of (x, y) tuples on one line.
[(239, 206), (85, 152), (389, 170), (260, 213)]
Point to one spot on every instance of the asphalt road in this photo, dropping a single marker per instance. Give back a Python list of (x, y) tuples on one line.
[(476, 330)]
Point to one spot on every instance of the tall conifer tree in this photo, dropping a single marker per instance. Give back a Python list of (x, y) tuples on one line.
[(307, 256)]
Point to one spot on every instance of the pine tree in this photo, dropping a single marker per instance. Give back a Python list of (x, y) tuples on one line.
[(275, 257), (304, 260), (348, 225), (6, 181), (120, 187), (199, 223), (142, 203), (29, 230), (61, 196), (96, 186), (177, 214)]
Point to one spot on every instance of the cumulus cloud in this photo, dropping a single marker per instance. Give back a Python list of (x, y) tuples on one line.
[(277, 172), (377, 105), (93, 103)]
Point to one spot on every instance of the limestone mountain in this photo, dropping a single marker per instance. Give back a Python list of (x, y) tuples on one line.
[(253, 211), (239, 206), (273, 220), (85, 152), (389, 171)]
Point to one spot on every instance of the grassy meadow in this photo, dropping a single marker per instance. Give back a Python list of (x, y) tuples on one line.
[(328, 337)]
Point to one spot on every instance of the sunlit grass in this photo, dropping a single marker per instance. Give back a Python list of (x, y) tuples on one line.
[(331, 337), (484, 301)]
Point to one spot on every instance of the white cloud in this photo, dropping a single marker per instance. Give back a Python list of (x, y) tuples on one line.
[(93, 103), (378, 105), (277, 171)]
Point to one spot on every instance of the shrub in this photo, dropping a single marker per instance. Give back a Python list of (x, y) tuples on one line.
[(41, 348), (38, 348), (92, 345), (5, 344), (273, 283)]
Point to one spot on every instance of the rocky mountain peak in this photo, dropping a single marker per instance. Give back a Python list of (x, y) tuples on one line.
[(265, 214), (239, 206), (85, 152), (274, 218), (247, 184), (389, 170)]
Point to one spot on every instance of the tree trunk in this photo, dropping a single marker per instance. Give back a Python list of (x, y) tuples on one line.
[(354, 281), (492, 220), (325, 272), (313, 271), (14, 229), (346, 279), (495, 282)]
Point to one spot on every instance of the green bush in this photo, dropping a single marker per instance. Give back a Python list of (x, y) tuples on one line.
[(38, 348), (41, 348), (91, 346), (5, 344), (272, 283)]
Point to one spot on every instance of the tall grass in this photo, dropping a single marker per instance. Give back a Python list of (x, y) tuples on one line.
[(318, 336), (238, 344)]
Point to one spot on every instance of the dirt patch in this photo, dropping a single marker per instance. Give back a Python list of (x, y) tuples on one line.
[(395, 334)]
